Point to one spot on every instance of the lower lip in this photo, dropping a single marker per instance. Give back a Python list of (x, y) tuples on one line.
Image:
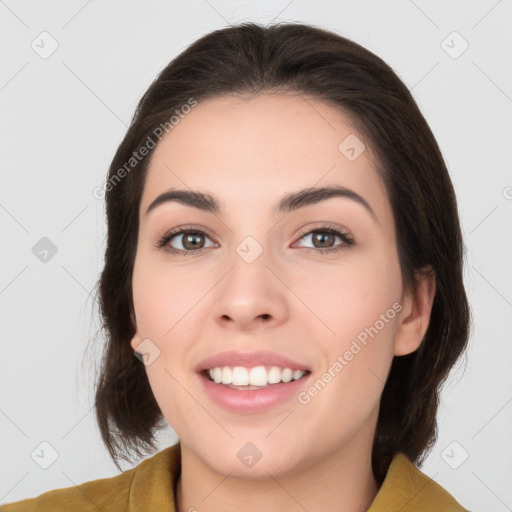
[(252, 400)]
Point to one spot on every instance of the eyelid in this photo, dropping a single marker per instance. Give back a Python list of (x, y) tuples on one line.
[(324, 227), (188, 227)]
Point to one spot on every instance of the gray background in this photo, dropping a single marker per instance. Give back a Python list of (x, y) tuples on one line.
[(62, 119)]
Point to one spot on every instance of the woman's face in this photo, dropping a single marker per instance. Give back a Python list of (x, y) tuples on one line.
[(262, 283)]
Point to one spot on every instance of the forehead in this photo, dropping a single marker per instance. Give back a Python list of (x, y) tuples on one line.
[(254, 150)]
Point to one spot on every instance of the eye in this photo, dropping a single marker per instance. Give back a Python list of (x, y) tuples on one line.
[(187, 241), (192, 241), (324, 237)]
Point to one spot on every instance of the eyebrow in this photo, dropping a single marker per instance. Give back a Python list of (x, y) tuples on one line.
[(290, 202)]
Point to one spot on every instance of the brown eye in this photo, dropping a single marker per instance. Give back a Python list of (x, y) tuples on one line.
[(324, 239), (184, 241), (192, 240)]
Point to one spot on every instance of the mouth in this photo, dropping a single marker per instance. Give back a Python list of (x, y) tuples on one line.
[(243, 390), (252, 379)]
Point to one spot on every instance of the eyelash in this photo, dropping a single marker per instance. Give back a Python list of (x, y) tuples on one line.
[(347, 239)]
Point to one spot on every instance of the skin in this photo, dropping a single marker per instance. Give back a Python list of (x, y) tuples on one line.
[(248, 152)]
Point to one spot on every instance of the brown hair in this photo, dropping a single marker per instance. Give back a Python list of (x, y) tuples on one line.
[(249, 58)]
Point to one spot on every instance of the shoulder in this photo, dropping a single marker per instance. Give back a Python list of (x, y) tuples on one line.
[(125, 491), (91, 495), (407, 489)]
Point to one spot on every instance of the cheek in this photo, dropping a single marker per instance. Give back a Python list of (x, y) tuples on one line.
[(347, 298), (163, 302), (355, 310), (167, 302), (162, 297), (359, 313)]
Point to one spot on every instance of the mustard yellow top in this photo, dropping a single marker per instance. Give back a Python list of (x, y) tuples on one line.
[(150, 487)]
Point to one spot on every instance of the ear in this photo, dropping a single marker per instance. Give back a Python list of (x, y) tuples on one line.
[(135, 342), (415, 315)]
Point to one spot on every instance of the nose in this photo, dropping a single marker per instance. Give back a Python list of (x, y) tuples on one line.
[(250, 296)]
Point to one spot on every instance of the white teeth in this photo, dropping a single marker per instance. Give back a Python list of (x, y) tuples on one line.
[(287, 375), (274, 375), (216, 374), (240, 376), (256, 376), (297, 374), (227, 376)]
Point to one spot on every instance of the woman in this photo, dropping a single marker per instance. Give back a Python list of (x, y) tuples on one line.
[(299, 349)]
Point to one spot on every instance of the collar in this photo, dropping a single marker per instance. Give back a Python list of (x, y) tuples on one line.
[(407, 489)]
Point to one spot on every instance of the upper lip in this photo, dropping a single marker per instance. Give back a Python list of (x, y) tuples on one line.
[(249, 360)]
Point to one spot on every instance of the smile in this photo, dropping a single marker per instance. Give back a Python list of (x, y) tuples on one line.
[(253, 378)]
